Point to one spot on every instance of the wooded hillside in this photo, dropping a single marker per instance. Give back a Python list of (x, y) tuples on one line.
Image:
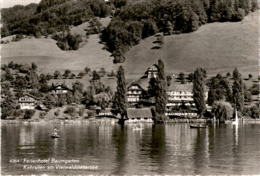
[(50, 16), (136, 21)]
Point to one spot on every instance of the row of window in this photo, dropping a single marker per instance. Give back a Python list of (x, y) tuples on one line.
[(181, 114), (25, 104), (179, 93), (26, 99), (132, 99), (139, 118), (180, 98), (134, 92)]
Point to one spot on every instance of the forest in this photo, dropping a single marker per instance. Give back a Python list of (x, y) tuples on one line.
[(50, 16)]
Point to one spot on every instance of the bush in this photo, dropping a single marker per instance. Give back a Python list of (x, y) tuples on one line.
[(70, 110), (253, 112), (94, 27), (255, 89), (28, 114), (17, 113), (222, 110), (90, 114), (68, 41), (17, 38), (57, 113), (81, 111), (42, 115), (239, 15)]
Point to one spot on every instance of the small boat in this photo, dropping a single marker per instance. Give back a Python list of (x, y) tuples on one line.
[(55, 136), (198, 126)]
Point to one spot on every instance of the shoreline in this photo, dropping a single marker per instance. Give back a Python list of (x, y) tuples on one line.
[(114, 121)]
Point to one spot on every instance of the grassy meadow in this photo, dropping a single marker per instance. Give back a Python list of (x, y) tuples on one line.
[(218, 47)]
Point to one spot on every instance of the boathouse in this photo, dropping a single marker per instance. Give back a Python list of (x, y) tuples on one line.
[(139, 115)]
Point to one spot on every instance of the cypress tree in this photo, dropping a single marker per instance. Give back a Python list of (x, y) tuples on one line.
[(119, 101), (161, 98), (199, 90), (238, 90), (153, 87)]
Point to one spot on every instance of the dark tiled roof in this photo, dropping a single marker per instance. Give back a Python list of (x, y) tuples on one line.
[(134, 84), (143, 83), (154, 65), (136, 112), (176, 86), (59, 82), (28, 95)]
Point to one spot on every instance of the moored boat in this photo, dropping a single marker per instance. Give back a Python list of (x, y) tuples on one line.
[(55, 136), (198, 126)]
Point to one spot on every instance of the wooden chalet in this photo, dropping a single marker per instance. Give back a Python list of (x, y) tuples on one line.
[(134, 93), (59, 89), (152, 72), (27, 102)]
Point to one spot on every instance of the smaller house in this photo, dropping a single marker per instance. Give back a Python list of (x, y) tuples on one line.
[(152, 72), (41, 107), (139, 115), (134, 93), (27, 102), (59, 89), (105, 113)]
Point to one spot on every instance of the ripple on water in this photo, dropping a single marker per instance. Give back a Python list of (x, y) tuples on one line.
[(170, 149)]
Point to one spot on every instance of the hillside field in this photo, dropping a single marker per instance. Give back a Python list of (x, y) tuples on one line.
[(218, 47), (45, 53)]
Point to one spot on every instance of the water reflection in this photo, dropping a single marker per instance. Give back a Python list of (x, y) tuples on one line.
[(160, 149), (119, 138), (26, 137), (235, 129), (201, 151)]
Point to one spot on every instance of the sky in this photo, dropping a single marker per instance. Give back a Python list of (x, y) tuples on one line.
[(11, 3)]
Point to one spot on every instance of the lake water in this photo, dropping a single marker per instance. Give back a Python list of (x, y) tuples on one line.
[(110, 149)]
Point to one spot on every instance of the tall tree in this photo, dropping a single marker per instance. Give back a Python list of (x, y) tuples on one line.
[(182, 78), (34, 66), (57, 74), (161, 97), (222, 110), (33, 79), (219, 89), (199, 90), (153, 87), (119, 100), (238, 90), (95, 76)]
